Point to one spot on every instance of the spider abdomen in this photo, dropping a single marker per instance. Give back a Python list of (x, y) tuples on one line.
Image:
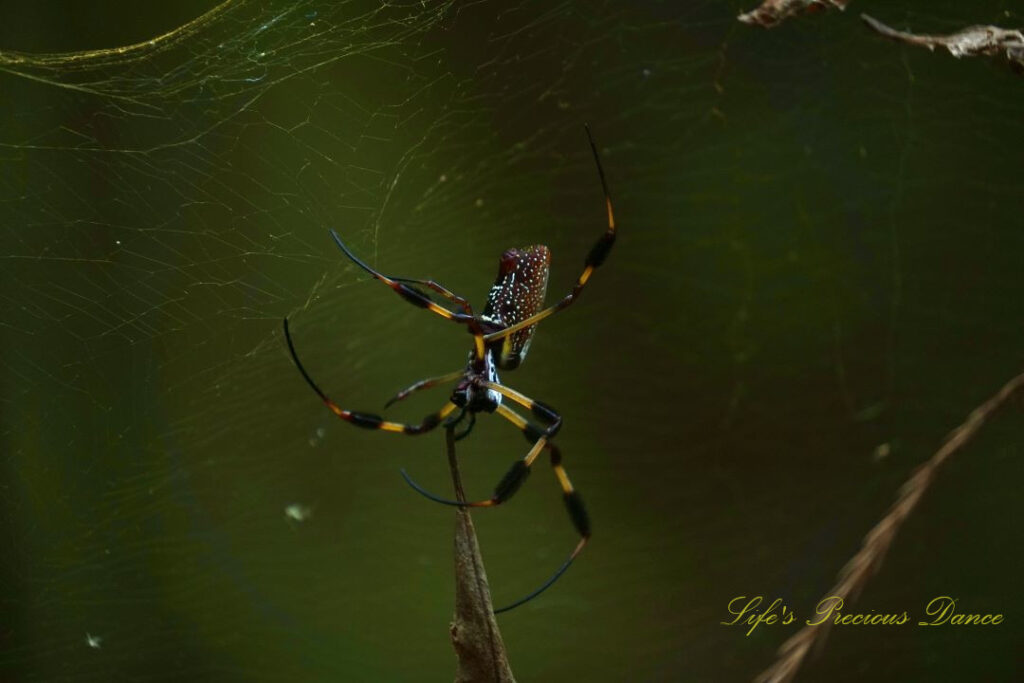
[(518, 293)]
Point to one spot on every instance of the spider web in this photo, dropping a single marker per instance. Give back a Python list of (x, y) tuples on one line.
[(818, 275)]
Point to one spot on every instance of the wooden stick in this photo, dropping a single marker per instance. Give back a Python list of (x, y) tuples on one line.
[(868, 560), (474, 630)]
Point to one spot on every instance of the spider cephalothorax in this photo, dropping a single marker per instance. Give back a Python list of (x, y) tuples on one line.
[(502, 334), (471, 393)]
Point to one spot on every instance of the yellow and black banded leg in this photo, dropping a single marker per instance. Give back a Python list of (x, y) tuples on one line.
[(514, 479), (369, 420), (442, 290), (418, 298), (520, 470), (540, 410), (425, 384), (580, 520), (596, 257)]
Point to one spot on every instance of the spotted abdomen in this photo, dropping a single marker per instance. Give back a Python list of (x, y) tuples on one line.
[(518, 293)]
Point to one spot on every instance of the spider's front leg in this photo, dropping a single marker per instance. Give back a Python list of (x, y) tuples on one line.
[(595, 258), (421, 300)]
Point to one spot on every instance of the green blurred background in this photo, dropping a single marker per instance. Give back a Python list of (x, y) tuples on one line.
[(819, 261)]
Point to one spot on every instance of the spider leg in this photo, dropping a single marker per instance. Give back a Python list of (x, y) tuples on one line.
[(580, 520), (598, 253), (520, 470), (425, 384), (465, 432), (514, 478), (369, 420), (540, 410), (442, 290), (452, 421), (420, 299)]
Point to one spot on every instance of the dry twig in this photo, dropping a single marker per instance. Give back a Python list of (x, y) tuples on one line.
[(973, 41), (876, 544), (773, 12), (474, 630)]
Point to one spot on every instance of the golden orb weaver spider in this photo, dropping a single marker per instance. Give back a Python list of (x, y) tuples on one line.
[(501, 338)]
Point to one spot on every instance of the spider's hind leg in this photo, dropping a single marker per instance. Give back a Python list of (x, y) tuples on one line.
[(420, 299), (580, 520), (520, 470), (515, 478)]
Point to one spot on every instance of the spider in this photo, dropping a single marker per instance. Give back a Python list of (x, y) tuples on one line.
[(501, 338)]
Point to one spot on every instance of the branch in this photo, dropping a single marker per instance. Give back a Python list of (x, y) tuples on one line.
[(876, 544), (773, 12), (474, 631), (973, 41)]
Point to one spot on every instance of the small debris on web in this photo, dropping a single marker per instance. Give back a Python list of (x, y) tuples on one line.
[(973, 41), (297, 512), (773, 12)]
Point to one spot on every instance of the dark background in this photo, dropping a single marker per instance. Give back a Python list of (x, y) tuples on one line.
[(819, 262)]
